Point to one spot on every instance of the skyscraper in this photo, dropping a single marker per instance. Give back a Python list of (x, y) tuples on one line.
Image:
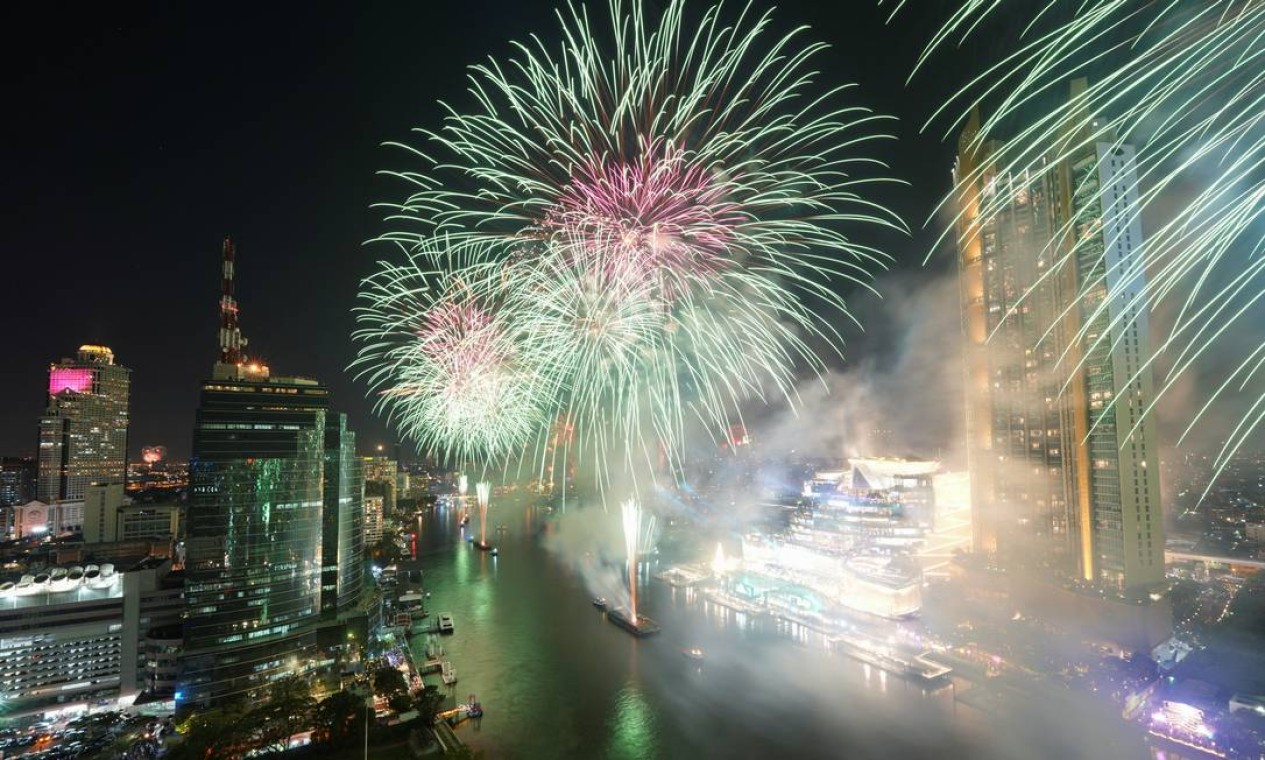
[(1063, 461), (254, 544), (83, 433), (343, 539), (265, 527)]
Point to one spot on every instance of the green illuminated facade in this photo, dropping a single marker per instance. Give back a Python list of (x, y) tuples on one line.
[(342, 575), (255, 536)]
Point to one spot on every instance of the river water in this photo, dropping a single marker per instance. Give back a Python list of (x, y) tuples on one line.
[(558, 681)]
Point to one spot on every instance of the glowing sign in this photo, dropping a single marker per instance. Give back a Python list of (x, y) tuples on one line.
[(67, 379)]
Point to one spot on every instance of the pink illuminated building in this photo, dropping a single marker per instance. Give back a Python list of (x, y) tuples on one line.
[(83, 432)]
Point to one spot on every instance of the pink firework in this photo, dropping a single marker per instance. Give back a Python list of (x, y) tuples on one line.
[(451, 333), (660, 216)]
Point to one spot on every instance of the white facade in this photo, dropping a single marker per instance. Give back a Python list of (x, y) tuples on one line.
[(73, 638)]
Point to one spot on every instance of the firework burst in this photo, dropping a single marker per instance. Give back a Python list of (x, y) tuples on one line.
[(660, 195), (447, 372)]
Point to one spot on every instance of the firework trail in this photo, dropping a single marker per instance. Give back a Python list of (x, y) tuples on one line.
[(463, 485), (637, 537), (658, 197), (1184, 82), (483, 492)]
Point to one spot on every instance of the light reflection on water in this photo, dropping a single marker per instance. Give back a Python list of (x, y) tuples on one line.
[(558, 681)]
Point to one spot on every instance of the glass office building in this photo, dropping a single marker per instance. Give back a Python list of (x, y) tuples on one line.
[(254, 545)]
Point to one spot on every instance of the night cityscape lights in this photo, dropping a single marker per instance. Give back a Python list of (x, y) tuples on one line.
[(619, 491)]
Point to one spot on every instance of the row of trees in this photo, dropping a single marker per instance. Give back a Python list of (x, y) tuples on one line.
[(228, 732), (336, 721)]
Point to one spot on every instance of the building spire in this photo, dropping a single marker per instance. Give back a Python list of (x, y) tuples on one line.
[(231, 340), (233, 362)]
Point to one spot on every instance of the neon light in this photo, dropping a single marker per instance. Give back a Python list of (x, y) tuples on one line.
[(67, 379)]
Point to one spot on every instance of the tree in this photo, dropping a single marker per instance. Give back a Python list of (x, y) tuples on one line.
[(211, 735), (401, 703), (339, 718), (388, 681), (287, 711), (427, 704)]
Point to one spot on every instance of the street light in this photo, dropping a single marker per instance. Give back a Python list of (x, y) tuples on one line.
[(368, 717)]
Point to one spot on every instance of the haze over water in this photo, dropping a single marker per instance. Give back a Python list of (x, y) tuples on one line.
[(558, 681)]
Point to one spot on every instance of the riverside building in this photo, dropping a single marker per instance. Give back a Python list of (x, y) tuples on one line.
[(273, 546), (1063, 461)]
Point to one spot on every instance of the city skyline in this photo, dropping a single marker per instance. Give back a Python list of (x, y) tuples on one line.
[(635, 378)]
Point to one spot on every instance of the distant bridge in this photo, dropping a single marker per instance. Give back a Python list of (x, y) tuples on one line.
[(1171, 556)]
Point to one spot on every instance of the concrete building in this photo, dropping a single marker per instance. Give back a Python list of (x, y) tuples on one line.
[(73, 637), (83, 433), (109, 516), (373, 519), (37, 518), (382, 479), (1063, 462)]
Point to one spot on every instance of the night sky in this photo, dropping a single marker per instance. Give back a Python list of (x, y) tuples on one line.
[(136, 138)]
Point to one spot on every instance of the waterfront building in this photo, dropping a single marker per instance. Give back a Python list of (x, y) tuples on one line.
[(343, 539), (83, 432), (382, 478), (253, 549), (258, 527), (72, 638), (1063, 460)]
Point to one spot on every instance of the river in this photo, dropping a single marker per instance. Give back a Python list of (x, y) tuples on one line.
[(558, 681)]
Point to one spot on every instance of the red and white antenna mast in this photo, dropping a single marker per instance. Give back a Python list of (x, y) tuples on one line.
[(231, 340)]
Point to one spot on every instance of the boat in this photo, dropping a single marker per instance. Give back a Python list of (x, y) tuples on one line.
[(445, 623), (448, 673), (471, 709), (599, 602), (496, 552), (641, 627), (694, 653)]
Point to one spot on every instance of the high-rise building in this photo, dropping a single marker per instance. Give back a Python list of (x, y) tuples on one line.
[(17, 480), (382, 478), (83, 433), (343, 540), (254, 540), (374, 506), (265, 513), (1063, 461)]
